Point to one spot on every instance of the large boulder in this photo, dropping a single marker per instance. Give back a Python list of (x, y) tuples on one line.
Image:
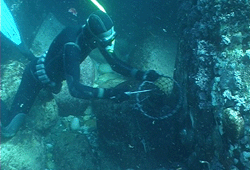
[(76, 148), (11, 74), (45, 36), (155, 53), (26, 150)]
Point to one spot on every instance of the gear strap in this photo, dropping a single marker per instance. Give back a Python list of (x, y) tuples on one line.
[(41, 72)]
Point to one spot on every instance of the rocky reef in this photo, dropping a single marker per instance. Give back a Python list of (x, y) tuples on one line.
[(215, 43), (208, 54)]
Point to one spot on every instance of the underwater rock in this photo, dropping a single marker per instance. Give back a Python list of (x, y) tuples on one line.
[(237, 38), (109, 80), (45, 36), (104, 68), (72, 150), (220, 69), (248, 53), (43, 115), (156, 54), (11, 74), (75, 124), (245, 159), (247, 56), (233, 124), (26, 150)]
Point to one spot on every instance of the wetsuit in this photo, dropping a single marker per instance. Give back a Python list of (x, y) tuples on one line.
[(62, 62)]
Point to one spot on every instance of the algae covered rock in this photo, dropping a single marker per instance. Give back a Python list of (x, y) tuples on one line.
[(11, 74), (24, 151), (74, 150), (109, 80), (233, 124), (43, 115)]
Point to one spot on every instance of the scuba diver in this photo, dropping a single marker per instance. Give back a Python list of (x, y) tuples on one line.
[(62, 62)]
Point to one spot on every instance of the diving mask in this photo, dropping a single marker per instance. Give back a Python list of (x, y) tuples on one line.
[(107, 40)]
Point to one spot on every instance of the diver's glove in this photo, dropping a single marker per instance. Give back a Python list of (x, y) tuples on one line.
[(150, 75), (116, 94)]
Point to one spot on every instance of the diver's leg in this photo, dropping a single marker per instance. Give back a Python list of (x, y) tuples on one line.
[(4, 113), (23, 101)]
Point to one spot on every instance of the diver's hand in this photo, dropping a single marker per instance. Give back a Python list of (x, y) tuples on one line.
[(151, 75), (117, 95)]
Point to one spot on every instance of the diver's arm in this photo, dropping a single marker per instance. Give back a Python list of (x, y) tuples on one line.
[(72, 63), (125, 69)]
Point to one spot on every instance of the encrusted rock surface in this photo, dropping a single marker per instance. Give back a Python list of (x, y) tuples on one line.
[(214, 52), (211, 131), (233, 124), (26, 150), (11, 74)]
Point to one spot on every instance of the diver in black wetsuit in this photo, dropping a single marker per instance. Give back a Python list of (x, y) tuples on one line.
[(62, 62)]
